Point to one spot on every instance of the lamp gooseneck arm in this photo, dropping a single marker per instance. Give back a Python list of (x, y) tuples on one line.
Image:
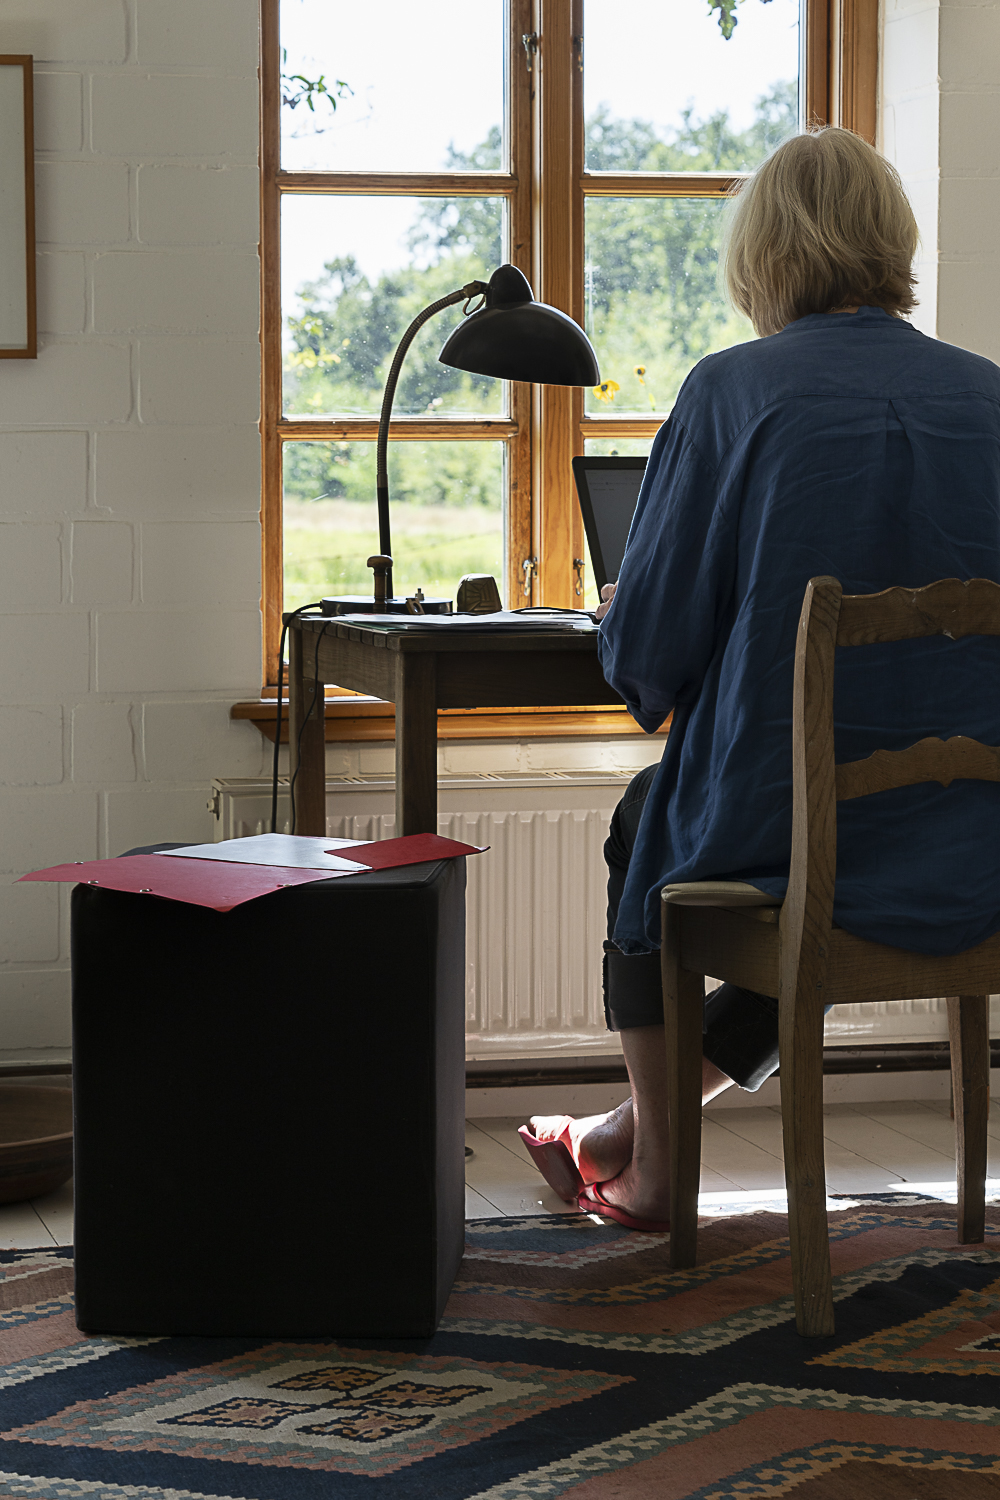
[(473, 289)]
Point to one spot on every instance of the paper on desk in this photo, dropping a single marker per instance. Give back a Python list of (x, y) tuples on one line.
[(503, 620), (295, 851)]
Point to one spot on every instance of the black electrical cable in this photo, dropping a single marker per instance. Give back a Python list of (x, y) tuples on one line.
[(305, 719), (277, 729)]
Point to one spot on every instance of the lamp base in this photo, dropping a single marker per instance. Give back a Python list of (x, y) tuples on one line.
[(364, 604)]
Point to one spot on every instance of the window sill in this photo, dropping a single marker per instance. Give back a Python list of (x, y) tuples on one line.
[(360, 718)]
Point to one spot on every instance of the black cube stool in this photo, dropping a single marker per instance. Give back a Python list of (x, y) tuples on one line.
[(269, 1108)]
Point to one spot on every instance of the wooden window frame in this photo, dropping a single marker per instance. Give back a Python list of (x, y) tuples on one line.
[(514, 429), (546, 425)]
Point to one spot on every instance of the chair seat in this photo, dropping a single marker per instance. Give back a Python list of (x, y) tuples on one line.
[(717, 893)]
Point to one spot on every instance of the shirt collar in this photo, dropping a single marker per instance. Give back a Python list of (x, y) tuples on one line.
[(865, 316)]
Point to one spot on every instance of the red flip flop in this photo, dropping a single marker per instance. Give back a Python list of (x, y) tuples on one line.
[(593, 1201), (553, 1160)]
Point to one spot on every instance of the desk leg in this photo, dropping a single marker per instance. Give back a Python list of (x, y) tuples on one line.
[(416, 743), (307, 734)]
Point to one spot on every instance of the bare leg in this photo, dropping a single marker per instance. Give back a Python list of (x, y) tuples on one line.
[(608, 1146), (643, 1186), (600, 1145)]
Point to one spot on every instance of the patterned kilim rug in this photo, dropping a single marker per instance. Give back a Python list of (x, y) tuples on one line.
[(571, 1363)]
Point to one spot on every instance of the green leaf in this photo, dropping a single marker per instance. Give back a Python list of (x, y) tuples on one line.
[(727, 15)]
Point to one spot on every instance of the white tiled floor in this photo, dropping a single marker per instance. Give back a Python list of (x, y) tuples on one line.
[(44, 1221), (869, 1148)]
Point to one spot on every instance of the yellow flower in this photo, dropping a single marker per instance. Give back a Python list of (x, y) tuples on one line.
[(639, 371), (606, 390)]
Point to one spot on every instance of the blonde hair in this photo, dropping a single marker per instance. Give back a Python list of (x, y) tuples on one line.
[(822, 223)]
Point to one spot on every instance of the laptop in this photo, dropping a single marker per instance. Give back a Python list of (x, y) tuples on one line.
[(608, 489)]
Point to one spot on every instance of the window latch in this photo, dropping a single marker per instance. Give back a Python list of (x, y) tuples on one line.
[(529, 42), (578, 49), (530, 567), (578, 570)]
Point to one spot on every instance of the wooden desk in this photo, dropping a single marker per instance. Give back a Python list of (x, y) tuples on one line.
[(420, 673)]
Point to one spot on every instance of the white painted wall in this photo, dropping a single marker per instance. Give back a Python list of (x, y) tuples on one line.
[(909, 129), (129, 460), (969, 224), (941, 127)]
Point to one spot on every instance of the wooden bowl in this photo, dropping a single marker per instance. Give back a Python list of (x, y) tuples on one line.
[(36, 1140)]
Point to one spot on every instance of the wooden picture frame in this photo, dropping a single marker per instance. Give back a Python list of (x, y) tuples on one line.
[(18, 311)]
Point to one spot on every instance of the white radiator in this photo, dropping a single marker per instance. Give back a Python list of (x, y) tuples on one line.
[(536, 901), (536, 905)]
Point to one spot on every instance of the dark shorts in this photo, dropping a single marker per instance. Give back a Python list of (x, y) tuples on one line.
[(741, 1027)]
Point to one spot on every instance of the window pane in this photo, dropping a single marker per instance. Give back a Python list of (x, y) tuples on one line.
[(446, 513), (408, 88), (355, 272), (653, 305), (687, 99), (617, 447)]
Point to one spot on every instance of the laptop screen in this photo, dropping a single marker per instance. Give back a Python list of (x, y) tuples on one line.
[(608, 489)]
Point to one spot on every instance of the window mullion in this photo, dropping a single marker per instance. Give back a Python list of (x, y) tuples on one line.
[(401, 184), (519, 447), (554, 190), (859, 66), (817, 54), (272, 560)]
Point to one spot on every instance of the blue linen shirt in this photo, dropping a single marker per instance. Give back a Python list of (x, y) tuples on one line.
[(848, 444)]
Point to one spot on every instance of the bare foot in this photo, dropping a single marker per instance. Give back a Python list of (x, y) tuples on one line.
[(645, 1194), (600, 1145)]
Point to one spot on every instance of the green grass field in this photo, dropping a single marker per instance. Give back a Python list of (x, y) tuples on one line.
[(327, 543)]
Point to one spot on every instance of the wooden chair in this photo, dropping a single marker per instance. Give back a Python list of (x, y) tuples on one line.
[(792, 949)]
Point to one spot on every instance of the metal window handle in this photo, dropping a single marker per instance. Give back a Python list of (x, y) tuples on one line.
[(530, 566), (529, 41), (578, 48), (578, 566)]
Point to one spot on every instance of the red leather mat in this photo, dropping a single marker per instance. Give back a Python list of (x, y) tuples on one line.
[(415, 849)]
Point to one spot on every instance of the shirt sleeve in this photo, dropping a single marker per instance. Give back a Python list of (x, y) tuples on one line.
[(675, 586)]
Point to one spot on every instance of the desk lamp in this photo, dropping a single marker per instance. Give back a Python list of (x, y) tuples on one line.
[(510, 336)]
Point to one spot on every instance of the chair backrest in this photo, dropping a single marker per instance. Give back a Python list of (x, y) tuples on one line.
[(830, 619)]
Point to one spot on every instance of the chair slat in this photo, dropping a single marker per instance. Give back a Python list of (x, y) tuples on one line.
[(948, 607), (928, 760)]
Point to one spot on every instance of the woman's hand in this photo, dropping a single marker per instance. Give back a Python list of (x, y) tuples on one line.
[(607, 594)]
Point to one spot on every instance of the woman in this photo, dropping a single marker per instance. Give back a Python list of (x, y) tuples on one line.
[(841, 442)]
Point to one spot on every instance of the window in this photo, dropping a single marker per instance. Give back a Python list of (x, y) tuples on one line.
[(407, 150)]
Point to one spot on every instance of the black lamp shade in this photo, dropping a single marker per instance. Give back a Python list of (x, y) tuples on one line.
[(513, 337)]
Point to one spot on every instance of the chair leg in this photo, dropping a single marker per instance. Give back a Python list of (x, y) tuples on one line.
[(969, 1036), (800, 1053), (683, 1004)]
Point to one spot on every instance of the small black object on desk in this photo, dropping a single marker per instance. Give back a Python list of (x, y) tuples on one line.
[(379, 603)]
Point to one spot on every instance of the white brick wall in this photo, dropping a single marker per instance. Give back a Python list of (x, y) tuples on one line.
[(129, 461), (969, 247), (941, 96), (909, 129), (129, 456)]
